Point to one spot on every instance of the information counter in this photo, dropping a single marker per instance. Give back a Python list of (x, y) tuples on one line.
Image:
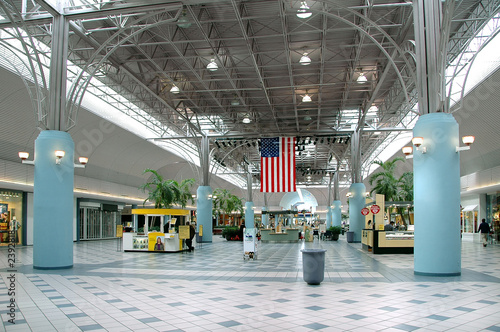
[(388, 242), (169, 242), (287, 236)]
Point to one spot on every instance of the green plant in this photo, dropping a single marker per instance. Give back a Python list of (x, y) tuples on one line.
[(230, 233), (166, 193), (394, 189), (225, 203), (335, 229)]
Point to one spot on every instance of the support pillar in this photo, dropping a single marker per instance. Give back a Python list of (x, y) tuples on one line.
[(53, 201), (356, 203), (337, 213), (336, 204), (249, 215), (265, 217), (437, 196), (328, 216), (204, 212)]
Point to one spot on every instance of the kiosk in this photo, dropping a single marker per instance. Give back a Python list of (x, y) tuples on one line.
[(157, 241)]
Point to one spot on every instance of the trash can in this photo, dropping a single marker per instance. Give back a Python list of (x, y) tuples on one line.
[(313, 265), (349, 236)]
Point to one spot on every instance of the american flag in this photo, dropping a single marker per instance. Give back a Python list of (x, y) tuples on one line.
[(277, 164)]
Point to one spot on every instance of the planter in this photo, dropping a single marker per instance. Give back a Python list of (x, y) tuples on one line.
[(313, 265), (335, 237)]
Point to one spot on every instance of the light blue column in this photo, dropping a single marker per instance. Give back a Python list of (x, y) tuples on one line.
[(204, 212), (249, 215), (356, 203), (437, 196), (265, 217), (135, 219), (337, 213), (53, 201), (328, 216)]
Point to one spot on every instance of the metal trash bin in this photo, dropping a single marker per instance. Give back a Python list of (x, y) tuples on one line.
[(349, 236), (313, 265)]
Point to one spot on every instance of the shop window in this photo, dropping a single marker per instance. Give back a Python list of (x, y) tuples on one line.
[(11, 216)]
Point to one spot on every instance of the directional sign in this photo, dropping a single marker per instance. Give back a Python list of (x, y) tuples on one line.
[(365, 211), (375, 209)]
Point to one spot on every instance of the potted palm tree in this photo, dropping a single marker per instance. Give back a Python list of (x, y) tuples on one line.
[(225, 203), (393, 188), (167, 193)]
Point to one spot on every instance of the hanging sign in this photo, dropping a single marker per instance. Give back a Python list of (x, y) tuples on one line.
[(365, 211), (375, 209)]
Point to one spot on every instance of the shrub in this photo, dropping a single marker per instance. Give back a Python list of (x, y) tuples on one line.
[(335, 229), (231, 233)]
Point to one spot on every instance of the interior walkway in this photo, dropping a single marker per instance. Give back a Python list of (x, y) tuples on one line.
[(214, 289)]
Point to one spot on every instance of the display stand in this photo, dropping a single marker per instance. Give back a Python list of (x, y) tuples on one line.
[(250, 243)]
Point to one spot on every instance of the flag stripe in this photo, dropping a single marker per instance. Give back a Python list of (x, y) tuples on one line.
[(278, 164)]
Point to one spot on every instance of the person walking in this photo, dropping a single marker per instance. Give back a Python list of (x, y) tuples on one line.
[(484, 228)]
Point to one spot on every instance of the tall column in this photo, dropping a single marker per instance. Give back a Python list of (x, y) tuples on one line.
[(204, 212), (336, 213), (53, 201), (356, 203), (328, 216), (53, 183), (249, 213), (328, 204), (265, 217), (357, 189), (436, 172), (336, 204), (204, 194), (135, 219), (437, 196)]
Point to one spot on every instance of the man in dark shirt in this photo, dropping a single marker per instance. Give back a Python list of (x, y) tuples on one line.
[(484, 228), (389, 227)]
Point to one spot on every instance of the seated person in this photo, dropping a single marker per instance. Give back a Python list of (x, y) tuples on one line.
[(389, 227)]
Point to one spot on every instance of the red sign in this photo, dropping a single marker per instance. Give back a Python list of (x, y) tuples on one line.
[(375, 209), (365, 211)]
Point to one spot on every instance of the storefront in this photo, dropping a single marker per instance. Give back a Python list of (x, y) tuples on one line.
[(469, 219), (12, 219), (493, 214), (98, 220)]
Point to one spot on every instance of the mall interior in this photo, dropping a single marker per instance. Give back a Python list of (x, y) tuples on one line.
[(189, 89)]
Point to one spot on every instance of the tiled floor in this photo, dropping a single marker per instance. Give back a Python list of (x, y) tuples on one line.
[(214, 289)]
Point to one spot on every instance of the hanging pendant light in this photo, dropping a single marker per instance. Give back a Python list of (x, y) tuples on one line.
[(362, 78), (246, 119), (183, 21), (235, 101), (175, 89), (303, 11), (306, 98), (212, 66), (305, 60)]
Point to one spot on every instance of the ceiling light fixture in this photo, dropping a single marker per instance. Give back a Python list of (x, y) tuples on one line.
[(305, 60), (175, 89), (212, 66), (362, 78), (183, 21), (235, 101), (246, 119), (303, 11), (306, 98)]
